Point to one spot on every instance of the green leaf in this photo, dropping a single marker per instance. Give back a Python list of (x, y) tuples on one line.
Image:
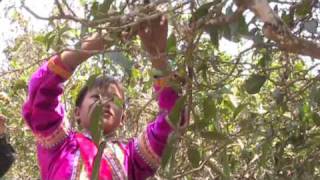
[(315, 95), (226, 166), (95, 128), (265, 59), (202, 11), (174, 116), (266, 147), (106, 5), (50, 37), (100, 11), (46, 40), (169, 150), (118, 102), (316, 118), (303, 8), (209, 108), (286, 18), (194, 156), (278, 96), (91, 80), (215, 135), (214, 35), (237, 28), (97, 161), (239, 109), (226, 32), (304, 111), (228, 103), (242, 26), (94, 8), (172, 44), (20, 84), (83, 2), (120, 59), (254, 83), (40, 39)]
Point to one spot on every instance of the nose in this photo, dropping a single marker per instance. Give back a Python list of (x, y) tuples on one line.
[(107, 106)]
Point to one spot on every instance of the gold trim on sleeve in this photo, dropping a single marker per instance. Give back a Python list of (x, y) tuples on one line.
[(58, 69), (146, 152)]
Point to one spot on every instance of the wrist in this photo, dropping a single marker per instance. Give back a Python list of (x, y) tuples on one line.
[(73, 58), (159, 61)]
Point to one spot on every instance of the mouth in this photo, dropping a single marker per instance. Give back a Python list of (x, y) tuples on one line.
[(107, 114)]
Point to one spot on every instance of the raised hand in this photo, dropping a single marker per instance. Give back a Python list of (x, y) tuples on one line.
[(153, 35), (93, 44), (89, 46)]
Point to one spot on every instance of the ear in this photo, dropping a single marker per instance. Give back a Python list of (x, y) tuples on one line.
[(77, 114), (123, 117)]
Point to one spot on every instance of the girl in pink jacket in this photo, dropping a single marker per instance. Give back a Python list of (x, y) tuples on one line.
[(65, 154)]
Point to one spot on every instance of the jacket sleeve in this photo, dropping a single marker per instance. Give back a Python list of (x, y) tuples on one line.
[(43, 111), (144, 152)]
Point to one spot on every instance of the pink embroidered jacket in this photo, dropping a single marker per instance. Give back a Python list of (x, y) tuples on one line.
[(64, 154)]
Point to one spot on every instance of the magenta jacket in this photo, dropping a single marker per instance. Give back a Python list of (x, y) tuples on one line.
[(65, 154)]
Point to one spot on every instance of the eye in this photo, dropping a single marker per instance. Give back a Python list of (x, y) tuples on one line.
[(95, 96)]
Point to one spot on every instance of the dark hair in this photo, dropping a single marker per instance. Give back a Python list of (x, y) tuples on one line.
[(98, 82)]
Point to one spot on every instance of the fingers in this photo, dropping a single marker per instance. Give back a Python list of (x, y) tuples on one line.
[(92, 38), (164, 20), (93, 44), (143, 29), (153, 25)]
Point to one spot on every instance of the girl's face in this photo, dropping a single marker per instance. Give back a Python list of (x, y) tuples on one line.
[(112, 112)]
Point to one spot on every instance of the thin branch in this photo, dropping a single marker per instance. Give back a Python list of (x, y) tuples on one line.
[(97, 23), (59, 17), (138, 115), (59, 7), (21, 69), (203, 163), (68, 7), (192, 170)]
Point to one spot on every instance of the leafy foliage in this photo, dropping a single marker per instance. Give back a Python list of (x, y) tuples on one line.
[(253, 115)]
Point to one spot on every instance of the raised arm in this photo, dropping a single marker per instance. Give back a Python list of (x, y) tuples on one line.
[(145, 152), (43, 110)]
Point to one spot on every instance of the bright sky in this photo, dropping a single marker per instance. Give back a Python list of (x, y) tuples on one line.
[(9, 31)]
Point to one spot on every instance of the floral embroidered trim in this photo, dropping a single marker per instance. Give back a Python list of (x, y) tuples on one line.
[(169, 80), (120, 152), (118, 172), (161, 82), (57, 67), (146, 152), (54, 139)]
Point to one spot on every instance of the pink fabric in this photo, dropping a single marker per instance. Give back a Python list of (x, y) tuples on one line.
[(88, 151), (44, 113), (167, 98)]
